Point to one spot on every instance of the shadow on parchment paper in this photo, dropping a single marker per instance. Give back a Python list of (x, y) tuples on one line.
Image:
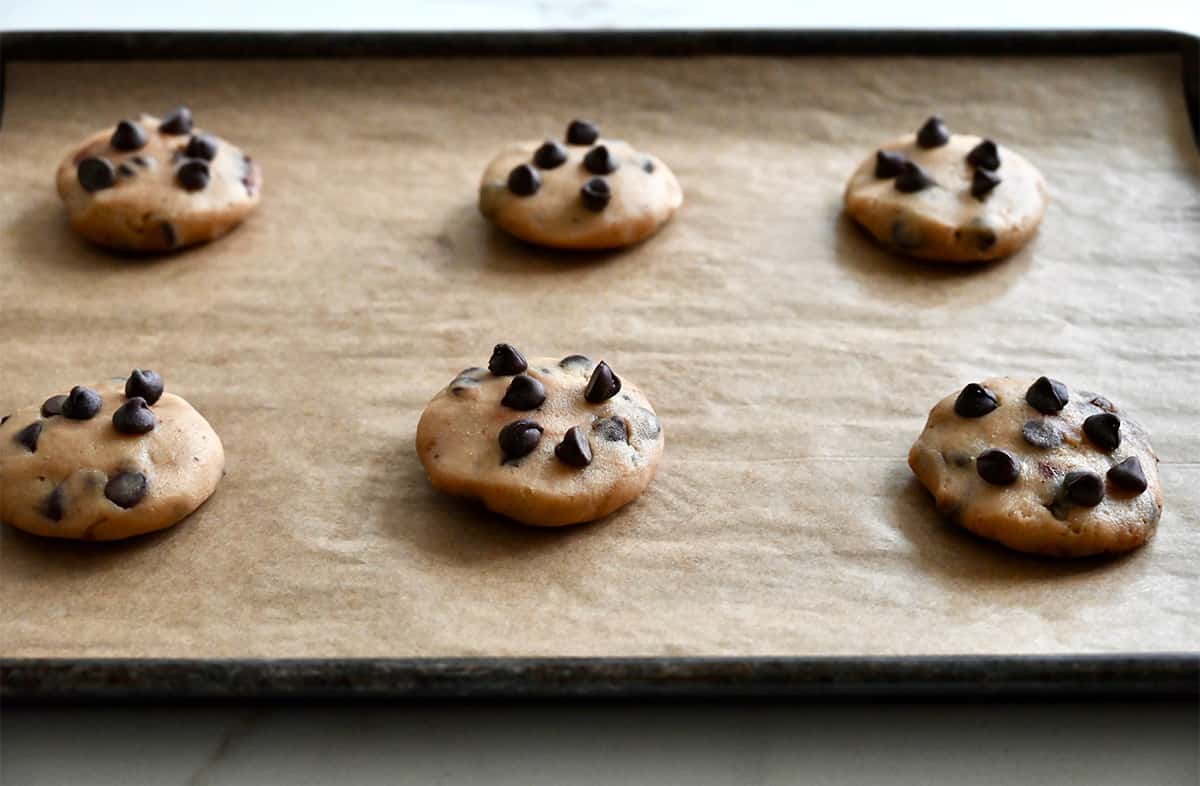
[(32, 556), (889, 276), (951, 553)]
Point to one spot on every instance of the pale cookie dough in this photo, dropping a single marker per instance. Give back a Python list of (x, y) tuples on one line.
[(100, 465), (1040, 468), (947, 197), (150, 185), (584, 193), (546, 442)]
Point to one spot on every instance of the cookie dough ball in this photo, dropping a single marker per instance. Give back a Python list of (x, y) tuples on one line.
[(947, 197), (546, 442), (157, 185), (106, 462), (1040, 468), (586, 192)]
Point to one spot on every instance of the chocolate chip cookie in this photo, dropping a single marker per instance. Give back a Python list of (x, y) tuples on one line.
[(546, 442), (584, 192), (157, 185), (1040, 468), (947, 197), (106, 462)]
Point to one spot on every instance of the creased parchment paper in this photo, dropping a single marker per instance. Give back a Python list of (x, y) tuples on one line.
[(791, 361)]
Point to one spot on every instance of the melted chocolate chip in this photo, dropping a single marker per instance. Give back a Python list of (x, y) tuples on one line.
[(125, 170), (934, 133), (524, 393), (506, 361), (466, 379), (574, 449), (595, 194), (648, 425), (602, 385), (907, 235), (1041, 434), (1084, 488), (524, 180), (193, 175), (519, 438), (179, 122), (169, 235), (575, 361), (974, 401), (1047, 396), (54, 505), (611, 429), (888, 164), (134, 417), (53, 406), (600, 161), (1128, 475), (202, 147), (144, 383), (95, 174), (82, 404), (912, 179), (128, 136), (126, 489), (1104, 430), (984, 155), (648, 167), (550, 155), (141, 161), (29, 435), (998, 467), (983, 182), (581, 132)]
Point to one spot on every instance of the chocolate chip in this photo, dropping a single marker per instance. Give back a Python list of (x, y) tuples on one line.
[(1084, 488), (998, 467), (519, 438), (1102, 403), (1104, 430), (912, 179), (29, 435), (1128, 475), (602, 385), (984, 239), (1041, 434), (648, 425), (54, 504), (134, 417), (506, 361), (126, 490), (466, 379), (648, 167), (983, 182), (550, 155), (888, 164), (125, 170), (96, 174), (1047, 396), (53, 406), (193, 175), (4, 419), (524, 393), (128, 136), (907, 235), (169, 235), (974, 401), (141, 161), (524, 180), (599, 161), (611, 429), (202, 147), (144, 383), (574, 448), (934, 133), (82, 404), (575, 361), (581, 132), (595, 194), (984, 155), (179, 122)]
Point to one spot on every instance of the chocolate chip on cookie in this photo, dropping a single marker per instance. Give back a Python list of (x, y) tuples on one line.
[(934, 133), (193, 175), (581, 132), (575, 361), (128, 136), (96, 174), (29, 435), (602, 385), (595, 194), (524, 393), (506, 361), (611, 429), (126, 489), (202, 147), (144, 383), (177, 123), (519, 438), (1047, 396), (134, 417), (1041, 434), (912, 179), (998, 467), (974, 401), (983, 182), (600, 161), (550, 155), (888, 164), (524, 180), (55, 504), (574, 449), (82, 404), (53, 406), (1104, 430), (1084, 488), (984, 155), (1128, 475)]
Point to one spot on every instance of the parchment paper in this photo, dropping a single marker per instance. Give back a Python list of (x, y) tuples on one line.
[(792, 362)]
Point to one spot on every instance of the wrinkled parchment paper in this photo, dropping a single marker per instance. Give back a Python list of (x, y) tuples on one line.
[(792, 362)]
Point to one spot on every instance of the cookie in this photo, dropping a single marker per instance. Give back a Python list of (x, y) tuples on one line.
[(157, 185), (1040, 468), (585, 192), (947, 197), (546, 442), (106, 462)]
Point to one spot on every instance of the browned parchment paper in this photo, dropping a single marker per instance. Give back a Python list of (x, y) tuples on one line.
[(792, 362)]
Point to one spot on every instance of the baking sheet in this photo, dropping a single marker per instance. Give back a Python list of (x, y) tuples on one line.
[(791, 361)]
